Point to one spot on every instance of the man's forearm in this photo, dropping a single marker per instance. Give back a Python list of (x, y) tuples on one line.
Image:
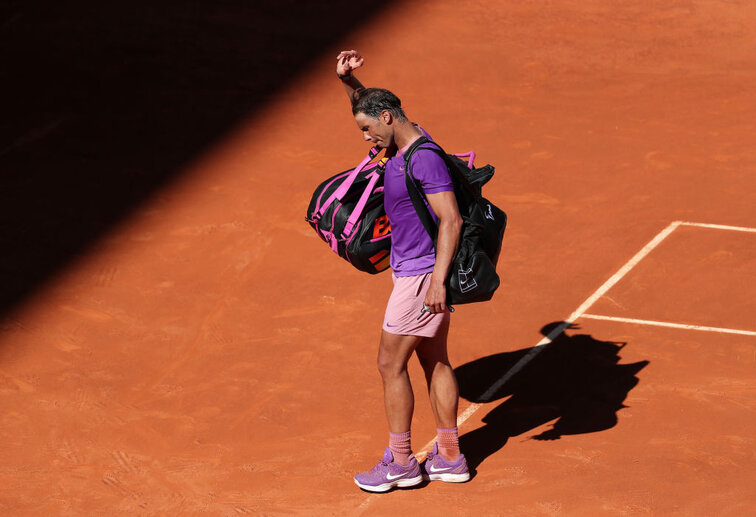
[(351, 85), (446, 248)]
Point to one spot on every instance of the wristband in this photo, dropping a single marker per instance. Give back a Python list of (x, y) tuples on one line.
[(344, 77)]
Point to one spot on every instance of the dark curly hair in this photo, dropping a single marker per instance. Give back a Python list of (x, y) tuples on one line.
[(372, 101)]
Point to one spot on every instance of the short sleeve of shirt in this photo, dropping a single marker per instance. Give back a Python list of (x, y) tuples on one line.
[(430, 170)]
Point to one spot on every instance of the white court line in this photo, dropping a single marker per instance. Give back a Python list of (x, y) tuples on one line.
[(719, 227), (672, 325)]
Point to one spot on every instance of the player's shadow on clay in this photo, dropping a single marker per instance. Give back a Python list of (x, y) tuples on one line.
[(576, 379)]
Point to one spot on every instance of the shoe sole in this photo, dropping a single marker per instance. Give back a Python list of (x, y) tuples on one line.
[(385, 487), (449, 478)]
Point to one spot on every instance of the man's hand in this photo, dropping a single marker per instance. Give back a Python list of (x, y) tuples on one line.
[(348, 61), (435, 298)]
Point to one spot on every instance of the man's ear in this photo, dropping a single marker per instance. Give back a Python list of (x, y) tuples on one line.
[(386, 117)]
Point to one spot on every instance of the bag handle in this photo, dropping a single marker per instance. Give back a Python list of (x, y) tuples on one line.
[(471, 158), (360, 206), (340, 192)]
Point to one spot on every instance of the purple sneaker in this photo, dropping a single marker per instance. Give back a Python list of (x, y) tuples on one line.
[(388, 474), (438, 468)]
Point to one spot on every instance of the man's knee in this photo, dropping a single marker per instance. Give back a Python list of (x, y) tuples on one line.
[(394, 353), (390, 365)]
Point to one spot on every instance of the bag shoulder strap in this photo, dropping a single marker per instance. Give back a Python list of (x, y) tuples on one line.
[(415, 191), (417, 196)]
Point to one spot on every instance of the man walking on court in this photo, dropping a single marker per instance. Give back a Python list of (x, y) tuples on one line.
[(417, 318)]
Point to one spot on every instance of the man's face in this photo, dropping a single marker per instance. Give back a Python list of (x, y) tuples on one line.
[(376, 130)]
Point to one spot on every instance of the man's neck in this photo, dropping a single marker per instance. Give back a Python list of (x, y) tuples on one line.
[(405, 134)]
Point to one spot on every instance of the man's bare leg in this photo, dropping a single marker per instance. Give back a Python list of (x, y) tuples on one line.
[(442, 389), (439, 375), (393, 355)]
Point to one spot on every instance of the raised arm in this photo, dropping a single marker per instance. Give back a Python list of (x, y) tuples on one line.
[(346, 63)]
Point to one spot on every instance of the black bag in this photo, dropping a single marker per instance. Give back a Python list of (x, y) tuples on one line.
[(347, 212), (472, 276)]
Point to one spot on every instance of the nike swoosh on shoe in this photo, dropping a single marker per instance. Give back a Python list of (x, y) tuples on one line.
[(391, 478)]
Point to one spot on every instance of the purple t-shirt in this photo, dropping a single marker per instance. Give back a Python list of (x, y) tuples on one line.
[(412, 250)]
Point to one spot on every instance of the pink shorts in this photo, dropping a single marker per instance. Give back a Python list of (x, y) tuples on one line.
[(404, 307)]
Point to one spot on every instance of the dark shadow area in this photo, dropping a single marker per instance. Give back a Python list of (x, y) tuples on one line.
[(104, 102), (576, 379)]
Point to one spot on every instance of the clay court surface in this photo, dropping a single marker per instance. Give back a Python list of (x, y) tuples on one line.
[(205, 353)]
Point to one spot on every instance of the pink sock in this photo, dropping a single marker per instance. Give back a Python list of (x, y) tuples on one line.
[(448, 443), (399, 443)]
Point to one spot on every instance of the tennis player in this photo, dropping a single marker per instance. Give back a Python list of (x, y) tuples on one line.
[(417, 318)]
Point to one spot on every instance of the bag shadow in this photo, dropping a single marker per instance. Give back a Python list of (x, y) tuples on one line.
[(576, 380)]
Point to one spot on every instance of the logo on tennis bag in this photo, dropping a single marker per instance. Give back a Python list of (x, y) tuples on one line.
[(347, 212), (473, 276), (466, 283)]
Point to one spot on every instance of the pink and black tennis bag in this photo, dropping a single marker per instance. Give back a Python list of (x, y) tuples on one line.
[(347, 212)]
